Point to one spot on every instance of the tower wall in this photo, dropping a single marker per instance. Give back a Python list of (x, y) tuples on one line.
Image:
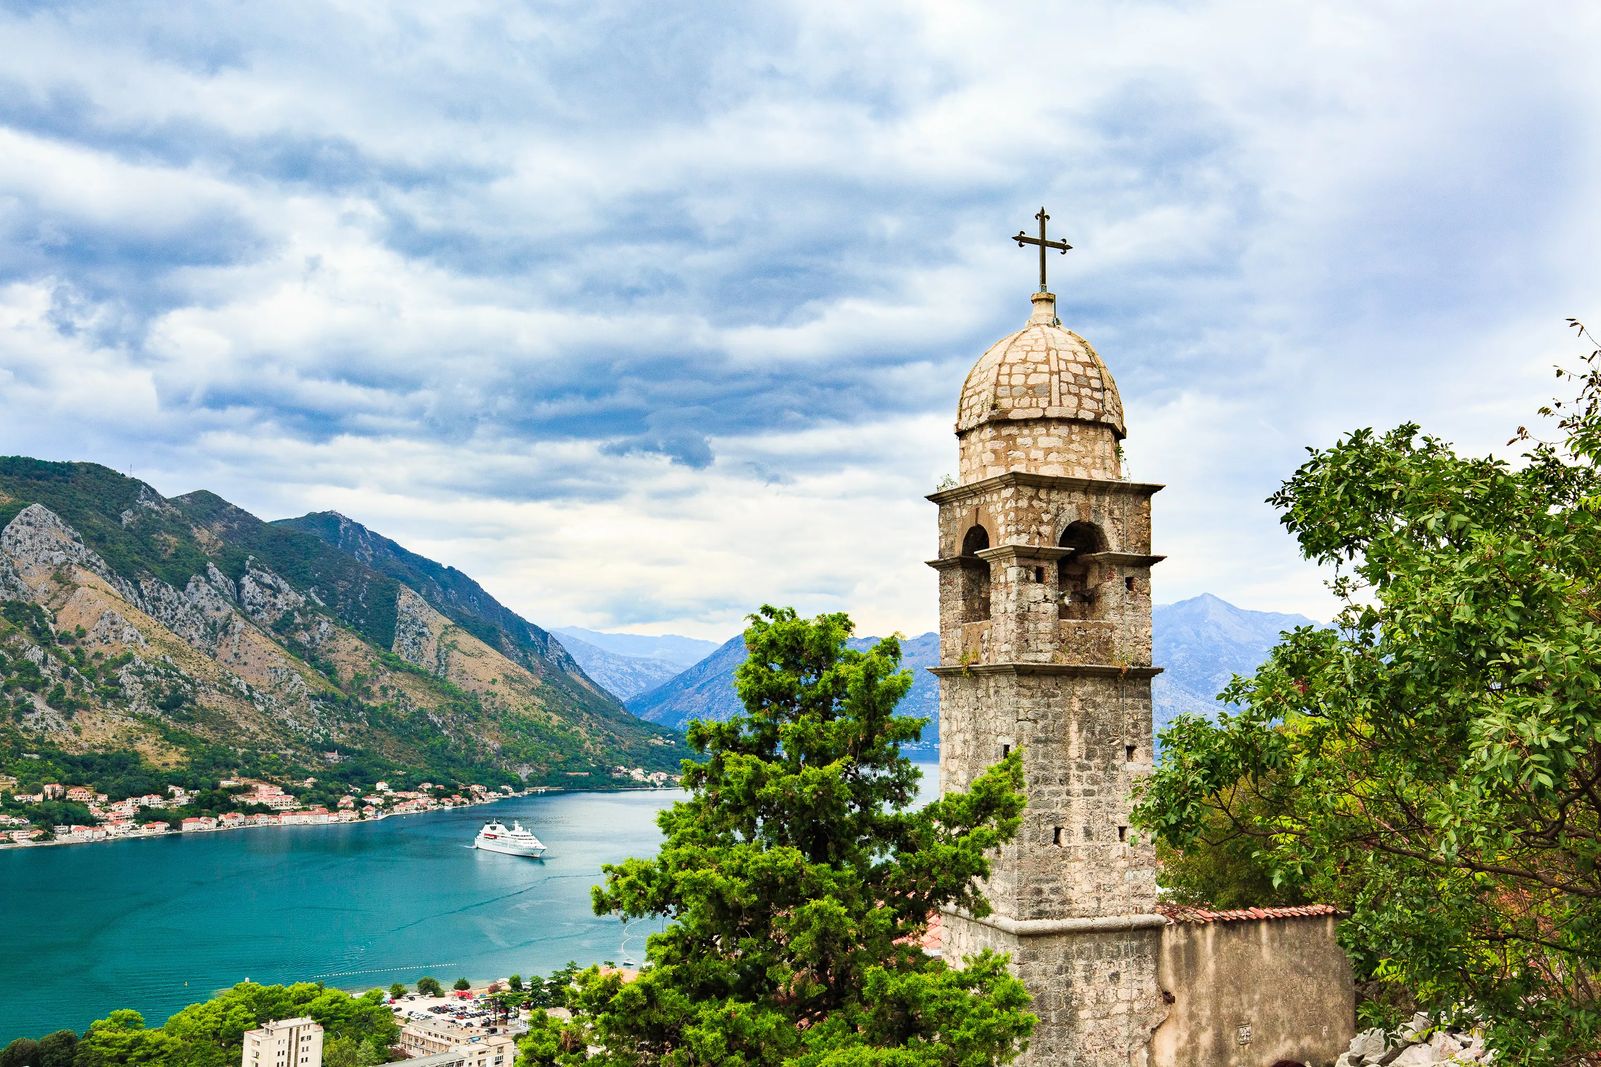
[(1045, 642), (1094, 990), (1074, 856), (1045, 446)]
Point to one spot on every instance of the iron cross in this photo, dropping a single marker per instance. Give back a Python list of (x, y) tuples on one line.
[(1023, 238)]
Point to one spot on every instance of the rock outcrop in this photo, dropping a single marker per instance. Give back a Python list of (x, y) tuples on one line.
[(132, 622), (1417, 1044)]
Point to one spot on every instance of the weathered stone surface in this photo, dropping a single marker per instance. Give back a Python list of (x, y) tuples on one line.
[(1094, 991), (36, 542), (1040, 372), (1418, 1043), (1252, 986), (1045, 635), (416, 641), (265, 596)]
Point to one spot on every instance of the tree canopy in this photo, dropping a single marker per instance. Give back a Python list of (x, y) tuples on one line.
[(798, 878), (1433, 761), (210, 1034)]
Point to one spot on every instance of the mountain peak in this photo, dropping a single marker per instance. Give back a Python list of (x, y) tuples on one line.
[(258, 637)]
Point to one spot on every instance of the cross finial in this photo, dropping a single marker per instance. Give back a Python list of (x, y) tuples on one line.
[(1023, 238)]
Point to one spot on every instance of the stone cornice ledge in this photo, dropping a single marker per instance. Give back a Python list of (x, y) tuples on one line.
[(1021, 551), (1123, 559), (1044, 481), (1047, 552), (1044, 927), (1099, 669)]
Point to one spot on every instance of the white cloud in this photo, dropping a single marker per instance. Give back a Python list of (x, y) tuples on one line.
[(471, 276)]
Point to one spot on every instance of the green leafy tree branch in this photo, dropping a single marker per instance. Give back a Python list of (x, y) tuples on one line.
[(1432, 762)]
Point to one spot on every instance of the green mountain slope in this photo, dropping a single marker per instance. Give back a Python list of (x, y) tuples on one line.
[(456, 596), (187, 632)]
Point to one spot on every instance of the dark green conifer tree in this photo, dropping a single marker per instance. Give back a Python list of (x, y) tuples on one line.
[(798, 878)]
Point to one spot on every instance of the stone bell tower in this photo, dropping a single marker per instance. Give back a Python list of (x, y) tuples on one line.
[(1045, 643)]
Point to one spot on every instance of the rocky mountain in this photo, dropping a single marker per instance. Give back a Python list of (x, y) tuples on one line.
[(1201, 643), (680, 651), (187, 631), (621, 676), (455, 595), (706, 690)]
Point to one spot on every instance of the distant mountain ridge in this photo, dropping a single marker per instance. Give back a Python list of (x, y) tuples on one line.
[(187, 630), (706, 690), (1200, 643), (457, 596), (622, 676), (669, 648)]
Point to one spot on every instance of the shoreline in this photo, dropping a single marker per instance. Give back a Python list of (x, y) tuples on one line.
[(21, 846)]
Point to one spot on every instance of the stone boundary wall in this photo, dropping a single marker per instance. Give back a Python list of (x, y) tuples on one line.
[(1250, 990)]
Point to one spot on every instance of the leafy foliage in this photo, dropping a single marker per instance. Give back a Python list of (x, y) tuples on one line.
[(358, 1029), (1223, 865), (59, 1049), (799, 878), (1433, 762)]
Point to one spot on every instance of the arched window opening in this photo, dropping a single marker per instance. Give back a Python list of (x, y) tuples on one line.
[(1075, 590), (975, 576)]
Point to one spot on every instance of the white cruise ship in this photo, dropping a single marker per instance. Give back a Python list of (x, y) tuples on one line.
[(495, 837)]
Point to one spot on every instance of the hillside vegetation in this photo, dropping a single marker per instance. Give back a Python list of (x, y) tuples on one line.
[(186, 634)]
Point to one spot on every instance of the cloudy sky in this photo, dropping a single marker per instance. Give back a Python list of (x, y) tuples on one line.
[(645, 314)]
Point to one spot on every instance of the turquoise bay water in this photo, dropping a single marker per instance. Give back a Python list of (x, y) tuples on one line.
[(155, 925)]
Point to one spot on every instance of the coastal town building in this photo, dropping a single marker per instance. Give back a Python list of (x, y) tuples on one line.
[(123, 818), (286, 1043), (429, 1037), (1044, 562), (496, 1050)]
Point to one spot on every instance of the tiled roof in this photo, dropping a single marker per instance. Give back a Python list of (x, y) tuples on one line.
[(1040, 372), (1180, 913)]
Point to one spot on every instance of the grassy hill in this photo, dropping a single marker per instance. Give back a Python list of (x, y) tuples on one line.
[(185, 633)]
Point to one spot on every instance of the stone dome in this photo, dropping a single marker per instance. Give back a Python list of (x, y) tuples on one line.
[(1040, 372)]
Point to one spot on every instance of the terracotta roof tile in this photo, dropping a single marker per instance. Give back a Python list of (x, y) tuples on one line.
[(1182, 913)]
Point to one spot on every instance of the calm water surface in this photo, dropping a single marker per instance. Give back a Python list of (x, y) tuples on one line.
[(155, 925)]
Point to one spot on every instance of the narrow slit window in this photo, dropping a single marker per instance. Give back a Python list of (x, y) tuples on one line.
[(1128, 583), (1122, 833), (1006, 750), (1039, 574), (1056, 836), (1128, 752)]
